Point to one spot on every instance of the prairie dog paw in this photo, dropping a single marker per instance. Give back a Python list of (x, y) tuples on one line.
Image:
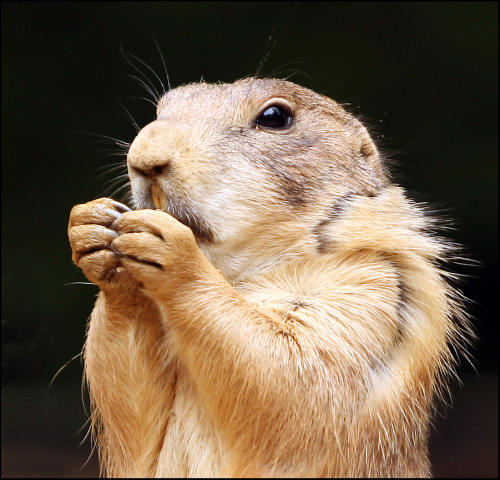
[(153, 245), (91, 234)]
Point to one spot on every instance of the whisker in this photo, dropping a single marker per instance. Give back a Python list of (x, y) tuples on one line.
[(116, 153), (118, 190), (143, 84), (124, 197), (152, 71), (112, 166), (113, 182), (129, 116), (129, 199), (270, 46), (113, 185), (163, 62), (116, 179), (281, 70), (147, 81), (118, 142), (146, 100), (109, 172)]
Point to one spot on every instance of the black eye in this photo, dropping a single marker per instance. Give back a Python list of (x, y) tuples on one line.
[(275, 116)]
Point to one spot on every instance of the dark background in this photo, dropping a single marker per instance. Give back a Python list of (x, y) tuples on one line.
[(422, 75)]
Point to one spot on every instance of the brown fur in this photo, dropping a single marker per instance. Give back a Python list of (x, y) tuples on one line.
[(286, 317)]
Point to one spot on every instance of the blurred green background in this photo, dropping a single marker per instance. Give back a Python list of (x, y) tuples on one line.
[(423, 75)]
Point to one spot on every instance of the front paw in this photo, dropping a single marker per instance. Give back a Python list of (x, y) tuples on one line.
[(153, 246), (91, 234)]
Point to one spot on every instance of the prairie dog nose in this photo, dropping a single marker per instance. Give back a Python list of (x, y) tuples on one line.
[(147, 154), (151, 172)]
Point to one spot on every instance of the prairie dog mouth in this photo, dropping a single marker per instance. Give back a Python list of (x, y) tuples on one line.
[(159, 197), (179, 210)]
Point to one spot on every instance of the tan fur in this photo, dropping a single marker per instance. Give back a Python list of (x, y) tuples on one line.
[(286, 317)]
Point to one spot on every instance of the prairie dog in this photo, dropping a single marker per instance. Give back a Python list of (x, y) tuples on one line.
[(272, 306)]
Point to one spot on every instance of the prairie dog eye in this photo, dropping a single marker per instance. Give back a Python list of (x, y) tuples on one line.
[(276, 116)]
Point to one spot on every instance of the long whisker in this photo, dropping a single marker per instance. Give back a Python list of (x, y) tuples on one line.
[(151, 70), (117, 179), (281, 70), (124, 189), (109, 172), (105, 137), (114, 182), (129, 116), (163, 62), (112, 166), (146, 100), (127, 55), (151, 90)]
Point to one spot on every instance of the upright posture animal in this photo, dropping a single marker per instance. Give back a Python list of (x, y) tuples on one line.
[(272, 306)]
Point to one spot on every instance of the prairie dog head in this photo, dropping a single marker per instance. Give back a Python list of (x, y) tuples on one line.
[(232, 160)]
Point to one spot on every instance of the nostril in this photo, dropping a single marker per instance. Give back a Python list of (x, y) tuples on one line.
[(151, 172), (159, 170)]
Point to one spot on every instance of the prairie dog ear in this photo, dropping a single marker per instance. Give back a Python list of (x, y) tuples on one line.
[(366, 150)]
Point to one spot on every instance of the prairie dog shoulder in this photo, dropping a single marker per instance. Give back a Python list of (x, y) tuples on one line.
[(272, 306)]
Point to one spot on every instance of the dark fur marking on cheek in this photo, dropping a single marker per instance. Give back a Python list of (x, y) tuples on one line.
[(295, 194), (292, 186), (291, 169), (336, 211)]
